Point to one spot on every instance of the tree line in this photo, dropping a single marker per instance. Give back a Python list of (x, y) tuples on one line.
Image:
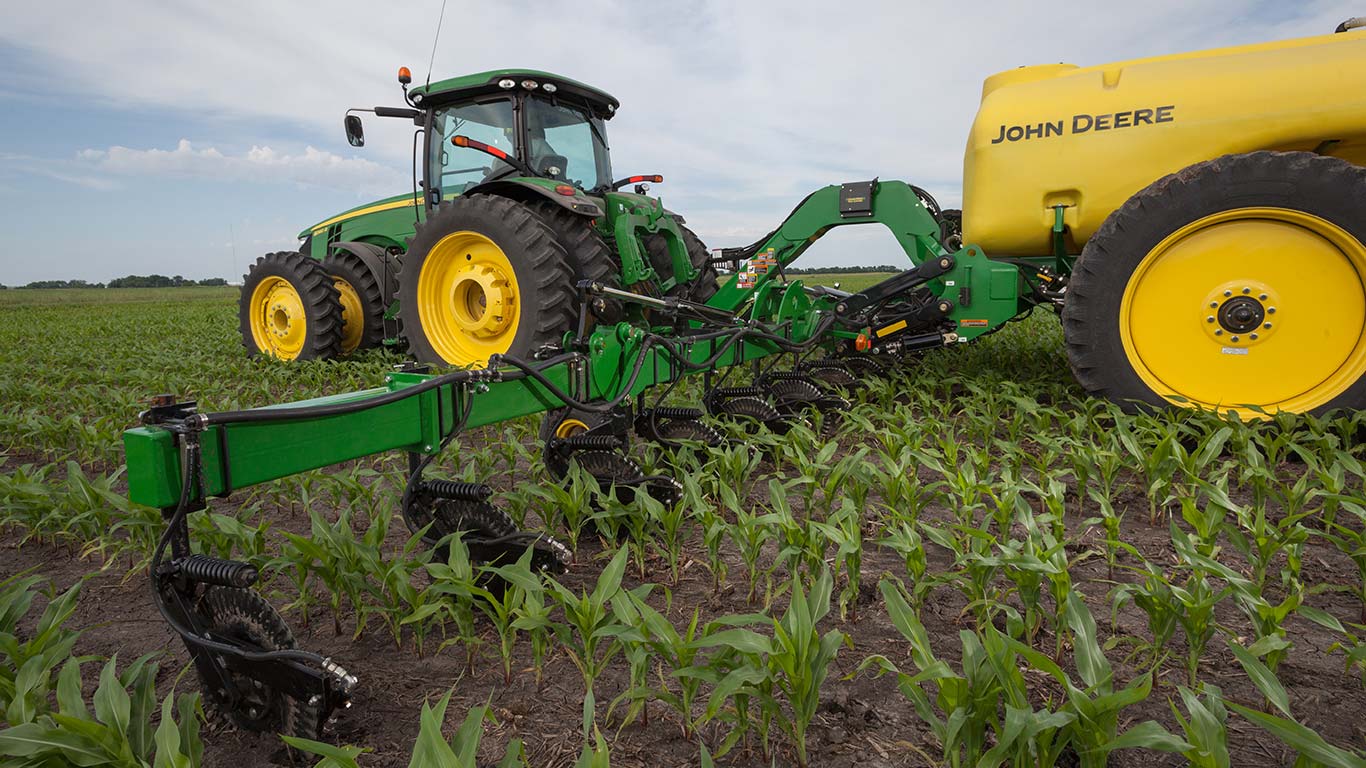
[(129, 281)]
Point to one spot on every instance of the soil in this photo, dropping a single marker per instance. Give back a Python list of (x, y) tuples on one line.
[(863, 720)]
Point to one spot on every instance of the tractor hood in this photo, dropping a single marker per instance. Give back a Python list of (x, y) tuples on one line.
[(405, 200)]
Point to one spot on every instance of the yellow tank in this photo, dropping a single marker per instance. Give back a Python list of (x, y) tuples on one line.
[(1089, 138)]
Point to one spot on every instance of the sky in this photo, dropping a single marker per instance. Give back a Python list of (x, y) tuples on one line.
[(190, 137)]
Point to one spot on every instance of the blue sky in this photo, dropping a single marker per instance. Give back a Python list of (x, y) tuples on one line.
[(188, 138)]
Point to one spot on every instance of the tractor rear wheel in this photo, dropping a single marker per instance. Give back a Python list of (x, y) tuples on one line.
[(589, 256), (361, 300), (289, 308), (484, 275), (701, 287), (1237, 283)]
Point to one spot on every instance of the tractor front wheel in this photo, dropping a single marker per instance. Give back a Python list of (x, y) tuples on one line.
[(1235, 284), (361, 299), (289, 309), (484, 275)]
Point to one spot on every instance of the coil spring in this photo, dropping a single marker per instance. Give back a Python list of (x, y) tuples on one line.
[(674, 412), (449, 489), (784, 376), (591, 442), (213, 570), (723, 393)]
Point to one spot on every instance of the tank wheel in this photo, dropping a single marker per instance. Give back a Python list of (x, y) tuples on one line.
[(289, 308), (244, 616), (589, 256), (361, 300), (704, 285), (484, 275), (1234, 284)]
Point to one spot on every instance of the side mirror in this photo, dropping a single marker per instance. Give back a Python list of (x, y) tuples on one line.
[(355, 132)]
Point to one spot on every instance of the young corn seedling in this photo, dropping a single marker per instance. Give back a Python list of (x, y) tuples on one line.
[(749, 533), (1196, 599), (590, 632), (501, 590), (1154, 596), (1313, 749), (1267, 617), (675, 654), (532, 616), (844, 529), (970, 730), (451, 596), (26, 665), (671, 522), (795, 660), (119, 734), (1350, 538), (1093, 700), (905, 540)]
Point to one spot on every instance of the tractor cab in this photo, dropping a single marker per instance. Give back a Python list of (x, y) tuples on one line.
[(501, 124)]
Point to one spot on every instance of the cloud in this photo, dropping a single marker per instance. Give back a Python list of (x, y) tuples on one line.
[(16, 164), (741, 120), (260, 164)]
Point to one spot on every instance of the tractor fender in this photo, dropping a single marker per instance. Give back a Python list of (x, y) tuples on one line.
[(578, 203), (375, 259)]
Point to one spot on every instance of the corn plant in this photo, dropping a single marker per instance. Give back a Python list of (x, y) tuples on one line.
[(501, 590), (675, 654), (451, 597), (1195, 600), (532, 616), (1352, 645), (1094, 701), (749, 533), (787, 668), (905, 540), (1310, 746), (844, 529), (963, 714), (1154, 596), (1350, 538), (119, 734), (27, 665), (590, 630)]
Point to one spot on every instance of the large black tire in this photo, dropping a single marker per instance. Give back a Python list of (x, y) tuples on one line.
[(545, 281), (589, 255), (347, 269), (701, 287), (242, 614), (1328, 188), (267, 325)]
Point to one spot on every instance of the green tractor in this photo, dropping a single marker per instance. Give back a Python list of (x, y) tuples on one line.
[(516, 206)]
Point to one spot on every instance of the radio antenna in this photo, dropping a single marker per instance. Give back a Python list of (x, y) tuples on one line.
[(437, 37)]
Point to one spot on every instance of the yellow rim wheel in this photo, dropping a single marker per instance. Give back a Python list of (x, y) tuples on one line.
[(353, 319), (468, 300), (1260, 307), (278, 325), (570, 427)]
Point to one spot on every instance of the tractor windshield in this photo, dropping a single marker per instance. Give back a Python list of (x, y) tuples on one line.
[(567, 143), (490, 122)]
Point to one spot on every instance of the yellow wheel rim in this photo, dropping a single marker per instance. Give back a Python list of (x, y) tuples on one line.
[(353, 319), (468, 300), (1252, 309), (570, 427), (278, 325)]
